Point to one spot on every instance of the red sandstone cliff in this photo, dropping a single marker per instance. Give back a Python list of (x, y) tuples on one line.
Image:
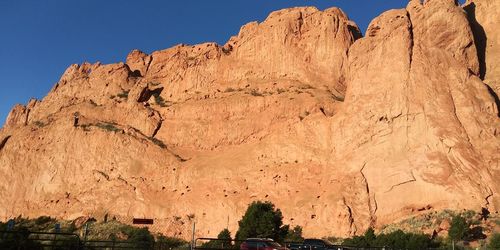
[(340, 132)]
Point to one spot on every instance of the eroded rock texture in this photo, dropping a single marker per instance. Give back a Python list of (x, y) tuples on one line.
[(340, 132)]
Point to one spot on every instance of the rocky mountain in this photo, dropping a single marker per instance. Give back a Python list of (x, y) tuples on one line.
[(340, 131)]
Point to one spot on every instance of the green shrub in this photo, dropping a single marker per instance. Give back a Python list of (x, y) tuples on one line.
[(39, 124), (306, 86), (294, 235), (43, 220), (158, 142), (108, 126), (170, 242), (123, 94), (223, 241), (255, 92), (159, 100), (397, 240), (458, 228), (136, 234), (494, 242)]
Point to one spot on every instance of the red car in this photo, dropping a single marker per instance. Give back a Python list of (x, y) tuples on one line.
[(261, 244)]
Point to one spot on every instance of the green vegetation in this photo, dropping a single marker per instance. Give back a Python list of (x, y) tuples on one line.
[(124, 94), (494, 242), (294, 235), (306, 86), (19, 240), (108, 126), (39, 124), (262, 220), (255, 92), (397, 240), (158, 142), (159, 100), (458, 228), (171, 242), (111, 230), (223, 241)]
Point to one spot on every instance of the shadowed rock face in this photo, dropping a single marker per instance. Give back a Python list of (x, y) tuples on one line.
[(340, 133)]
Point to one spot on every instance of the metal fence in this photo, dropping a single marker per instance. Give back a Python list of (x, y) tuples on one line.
[(221, 244), (26, 240)]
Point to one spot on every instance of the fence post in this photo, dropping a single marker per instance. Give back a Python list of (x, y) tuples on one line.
[(192, 238)]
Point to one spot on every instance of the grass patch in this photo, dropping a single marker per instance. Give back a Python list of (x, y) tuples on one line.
[(39, 124), (108, 126), (306, 86), (124, 94), (158, 142), (86, 127), (159, 100), (255, 92)]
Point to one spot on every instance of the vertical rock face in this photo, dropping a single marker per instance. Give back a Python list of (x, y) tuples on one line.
[(340, 133), (413, 91), (484, 16)]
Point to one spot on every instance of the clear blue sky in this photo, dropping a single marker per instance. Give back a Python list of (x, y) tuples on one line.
[(40, 39)]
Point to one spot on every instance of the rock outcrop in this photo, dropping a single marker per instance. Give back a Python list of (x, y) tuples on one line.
[(484, 16), (340, 132)]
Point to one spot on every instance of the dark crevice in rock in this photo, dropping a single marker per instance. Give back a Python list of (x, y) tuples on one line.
[(352, 226), (135, 73), (148, 64), (147, 93), (356, 33), (480, 38), (158, 126), (4, 141), (495, 97), (412, 42), (373, 208)]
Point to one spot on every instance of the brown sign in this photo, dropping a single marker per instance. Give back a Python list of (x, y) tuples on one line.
[(142, 221)]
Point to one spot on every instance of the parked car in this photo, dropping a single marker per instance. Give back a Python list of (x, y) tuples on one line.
[(293, 246), (318, 244), (261, 244)]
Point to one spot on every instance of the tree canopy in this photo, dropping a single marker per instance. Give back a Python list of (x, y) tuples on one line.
[(262, 220)]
